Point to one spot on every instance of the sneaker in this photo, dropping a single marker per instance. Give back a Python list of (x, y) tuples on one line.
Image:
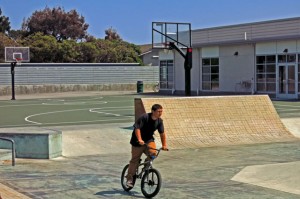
[(129, 183)]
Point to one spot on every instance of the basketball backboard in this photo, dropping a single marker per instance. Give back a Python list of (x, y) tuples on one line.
[(165, 32), (13, 54)]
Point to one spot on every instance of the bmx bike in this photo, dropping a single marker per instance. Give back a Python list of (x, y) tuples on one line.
[(150, 177)]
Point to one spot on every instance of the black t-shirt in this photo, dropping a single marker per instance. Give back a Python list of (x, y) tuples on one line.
[(147, 127)]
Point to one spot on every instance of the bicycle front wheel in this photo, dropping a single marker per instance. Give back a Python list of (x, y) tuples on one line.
[(151, 183), (124, 179)]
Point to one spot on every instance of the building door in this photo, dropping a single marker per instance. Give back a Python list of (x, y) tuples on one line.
[(287, 81)]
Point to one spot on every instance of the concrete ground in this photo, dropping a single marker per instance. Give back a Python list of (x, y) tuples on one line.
[(94, 155)]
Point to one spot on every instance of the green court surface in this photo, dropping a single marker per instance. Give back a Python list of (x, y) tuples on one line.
[(88, 110), (287, 109), (67, 111)]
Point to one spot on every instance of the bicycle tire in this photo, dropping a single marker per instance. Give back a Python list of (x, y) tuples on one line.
[(153, 183), (124, 179)]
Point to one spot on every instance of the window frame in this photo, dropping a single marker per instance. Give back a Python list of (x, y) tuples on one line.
[(166, 74), (210, 74)]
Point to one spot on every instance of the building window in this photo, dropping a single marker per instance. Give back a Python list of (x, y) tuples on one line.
[(166, 74), (266, 73), (210, 74), (287, 58)]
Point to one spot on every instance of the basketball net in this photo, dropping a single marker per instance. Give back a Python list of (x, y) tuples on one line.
[(19, 61)]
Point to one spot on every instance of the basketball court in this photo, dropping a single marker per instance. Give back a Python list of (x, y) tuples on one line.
[(95, 109)]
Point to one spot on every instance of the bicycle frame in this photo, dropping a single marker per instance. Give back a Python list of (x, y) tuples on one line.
[(147, 164)]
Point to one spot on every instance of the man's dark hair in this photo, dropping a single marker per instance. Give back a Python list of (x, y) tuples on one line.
[(156, 106)]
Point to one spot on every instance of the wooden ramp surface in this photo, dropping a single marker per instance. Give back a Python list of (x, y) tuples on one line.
[(192, 122)]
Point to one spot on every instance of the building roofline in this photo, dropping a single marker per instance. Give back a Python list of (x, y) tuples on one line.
[(250, 41), (246, 24), (144, 53)]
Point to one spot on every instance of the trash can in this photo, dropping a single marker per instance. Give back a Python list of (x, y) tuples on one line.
[(139, 86)]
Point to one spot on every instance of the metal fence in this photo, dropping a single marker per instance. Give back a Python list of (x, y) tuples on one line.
[(43, 74)]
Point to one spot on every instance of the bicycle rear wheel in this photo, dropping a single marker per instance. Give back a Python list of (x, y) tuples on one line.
[(151, 183), (124, 179)]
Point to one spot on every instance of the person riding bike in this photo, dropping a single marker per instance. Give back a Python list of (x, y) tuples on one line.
[(144, 128)]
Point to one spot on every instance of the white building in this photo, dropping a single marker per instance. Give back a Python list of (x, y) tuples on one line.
[(261, 57)]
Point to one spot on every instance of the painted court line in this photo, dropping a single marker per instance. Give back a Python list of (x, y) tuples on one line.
[(72, 110), (77, 122), (94, 111), (66, 102), (48, 104), (74, 103)]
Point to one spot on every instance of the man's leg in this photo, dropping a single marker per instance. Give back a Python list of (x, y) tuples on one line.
[(136, 153), (151, 149)]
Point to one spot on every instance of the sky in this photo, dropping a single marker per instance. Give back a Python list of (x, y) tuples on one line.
[(132, 19)]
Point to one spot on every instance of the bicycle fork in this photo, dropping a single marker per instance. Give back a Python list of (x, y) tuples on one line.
[(145, 169)]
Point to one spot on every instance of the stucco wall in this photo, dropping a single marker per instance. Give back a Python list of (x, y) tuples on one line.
[(234, 69)]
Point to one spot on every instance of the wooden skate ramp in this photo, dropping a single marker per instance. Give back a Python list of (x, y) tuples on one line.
[(192, 122)]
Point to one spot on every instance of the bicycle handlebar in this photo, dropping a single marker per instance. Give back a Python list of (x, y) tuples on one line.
[(146, 144), (156, 149)]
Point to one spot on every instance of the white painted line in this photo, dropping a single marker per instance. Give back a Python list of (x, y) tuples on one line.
[(48, 104), (55, 100), (94, 111), (52, 112), (78, 122), (20, 105), (73, 103), (79, 99)]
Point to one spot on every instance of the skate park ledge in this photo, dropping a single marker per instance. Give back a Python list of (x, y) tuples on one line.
[(33, 142)]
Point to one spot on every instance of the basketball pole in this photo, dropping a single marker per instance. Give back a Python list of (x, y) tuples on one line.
[(187, 66), (12, 70)]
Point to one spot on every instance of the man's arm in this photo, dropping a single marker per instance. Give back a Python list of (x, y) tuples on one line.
[(163, 141), (139, 137)]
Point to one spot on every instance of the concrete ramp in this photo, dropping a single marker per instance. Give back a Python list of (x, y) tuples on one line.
[(192, 122), (281, 176)]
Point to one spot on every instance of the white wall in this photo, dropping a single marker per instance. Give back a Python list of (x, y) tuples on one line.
[(212, 51), (277, 47), (234, 69), (195, 72), (166, 55), (179, 72)]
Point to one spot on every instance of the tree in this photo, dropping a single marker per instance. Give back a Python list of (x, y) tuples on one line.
[(114, 51), (4, 23), (5, 41), (58, 23), (88, 52), (17, 34), (67, 52), (111, 34), (43, 48)]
